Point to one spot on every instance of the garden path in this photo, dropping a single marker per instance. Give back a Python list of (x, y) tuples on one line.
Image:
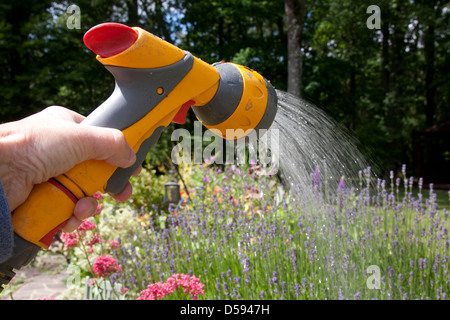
[(41, 282)]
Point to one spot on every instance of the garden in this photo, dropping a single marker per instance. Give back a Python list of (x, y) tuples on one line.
[(237, 234)]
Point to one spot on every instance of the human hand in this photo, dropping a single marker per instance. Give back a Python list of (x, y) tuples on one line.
[(50, 143)]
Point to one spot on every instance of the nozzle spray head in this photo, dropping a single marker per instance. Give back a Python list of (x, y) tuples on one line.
[(244, 102)]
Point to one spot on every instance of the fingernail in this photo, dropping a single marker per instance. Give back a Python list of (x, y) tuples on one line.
[(94, 205), (131, 157)]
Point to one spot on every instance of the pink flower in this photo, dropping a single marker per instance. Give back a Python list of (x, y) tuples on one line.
[(70, 239), (114, 244), (86, 225), (104, 266), (190, 285), (98, 210), (97, 196), (96, 238), (153, 292), (92, 281)]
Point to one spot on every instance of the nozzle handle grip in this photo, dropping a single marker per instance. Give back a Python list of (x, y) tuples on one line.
[(137, 92)]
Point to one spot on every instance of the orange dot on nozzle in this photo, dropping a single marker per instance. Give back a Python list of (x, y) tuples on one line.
[(109, 39)]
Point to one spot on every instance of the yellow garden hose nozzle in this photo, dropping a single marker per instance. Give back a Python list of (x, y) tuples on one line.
[(156, 83), (244, 102)]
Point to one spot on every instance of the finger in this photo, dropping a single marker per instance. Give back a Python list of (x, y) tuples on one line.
[(137, 171), (71, 225), (105, 144), (84, 208), (124, 195)]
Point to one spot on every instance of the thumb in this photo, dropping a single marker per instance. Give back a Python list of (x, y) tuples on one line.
[(106, 144)]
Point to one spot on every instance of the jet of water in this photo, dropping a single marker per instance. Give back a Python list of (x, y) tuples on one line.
[(314, 151)]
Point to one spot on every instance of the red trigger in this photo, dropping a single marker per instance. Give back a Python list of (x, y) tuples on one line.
[(180, 117)]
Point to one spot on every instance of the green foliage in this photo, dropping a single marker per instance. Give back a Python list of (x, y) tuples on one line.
[(382, 84), (148, 191), (248, 32)]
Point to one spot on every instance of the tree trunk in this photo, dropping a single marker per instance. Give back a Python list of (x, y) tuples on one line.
[(133, 16), (385, 75), (430, 87), (295, 13), (162, 24)]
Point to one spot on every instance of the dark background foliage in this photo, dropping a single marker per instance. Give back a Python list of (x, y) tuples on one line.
[(390, 86)]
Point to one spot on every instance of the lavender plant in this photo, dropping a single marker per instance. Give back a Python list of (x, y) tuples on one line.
[(246, 237)]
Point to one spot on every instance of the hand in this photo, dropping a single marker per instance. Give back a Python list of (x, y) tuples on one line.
[(48, 144)]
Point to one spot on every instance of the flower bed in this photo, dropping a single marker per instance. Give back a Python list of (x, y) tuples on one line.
[(239, 235)]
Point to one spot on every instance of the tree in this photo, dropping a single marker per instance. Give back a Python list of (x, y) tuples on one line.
[(295, 13), (251, 33)]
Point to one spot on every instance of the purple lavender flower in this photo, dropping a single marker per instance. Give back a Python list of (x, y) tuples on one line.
[(217, 285), (317, 180), (225, 288), (294, 258), (395, 244), (357, 296), (404, 170), (436, 262), (422, 264), (188, 255), (411, 276), (306, 244), (390, 272), (297, 288), (341, 186), (274, 278), (246, 265), (311, 290), (304, 280)]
